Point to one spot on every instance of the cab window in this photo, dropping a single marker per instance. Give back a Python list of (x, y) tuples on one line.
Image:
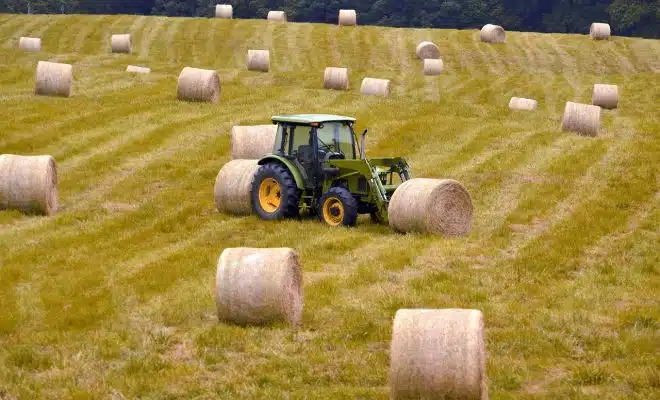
[(338, 137)]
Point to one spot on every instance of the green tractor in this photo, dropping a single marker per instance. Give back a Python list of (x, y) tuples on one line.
[(317, 167)]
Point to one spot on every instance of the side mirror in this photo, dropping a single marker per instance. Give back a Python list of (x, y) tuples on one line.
[(362, 144)]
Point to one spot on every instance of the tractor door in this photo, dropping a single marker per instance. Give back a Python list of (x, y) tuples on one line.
[(303, 151)]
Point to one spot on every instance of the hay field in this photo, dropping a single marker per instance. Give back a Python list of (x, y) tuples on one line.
[(113, 297)]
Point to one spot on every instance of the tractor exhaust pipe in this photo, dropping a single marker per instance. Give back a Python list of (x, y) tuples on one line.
[(362, 144)]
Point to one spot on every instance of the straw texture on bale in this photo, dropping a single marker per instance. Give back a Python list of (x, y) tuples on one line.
[(251, 142), (233, 187), (225, 11), (426, 50), (519, 103), (276, 16), (28, 183), (581, 118), (29, 44), (53, 79), (600, 31), (139, 70), (605, 96), (347, 17), (493, 34), (258, 60), (259, 286), (438, 354), (376, 87), (433, 66), (441, 206), (121, 43), (196, 84), (335, 78)]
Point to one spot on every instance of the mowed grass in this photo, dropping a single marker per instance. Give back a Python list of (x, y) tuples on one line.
[(114, 295)]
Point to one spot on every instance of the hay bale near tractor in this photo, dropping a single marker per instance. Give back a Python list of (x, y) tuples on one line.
[(233, 187), (376, 87), (53, 79), (250, 142), (583, 119), (335, 78), (196, 84), (28, 183)]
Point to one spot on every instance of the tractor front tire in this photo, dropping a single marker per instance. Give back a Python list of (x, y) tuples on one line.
[(274, 193), (338, 207)]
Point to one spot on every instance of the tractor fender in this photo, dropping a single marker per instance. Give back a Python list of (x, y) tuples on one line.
[(288, 164)]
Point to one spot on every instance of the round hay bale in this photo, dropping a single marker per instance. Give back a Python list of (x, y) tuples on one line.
[(138, 70), (335, 78), (433, 66), (233, 187), (28, 183), (375, 87), (251, 142), (426, 50), (600, 31), (583, 119), (224, 11), (258, 60), (259, 286), (53, 79), (279, 16), (493, 34), (519, 103), (29, 44), (438, 354), (347, 17), (121, 43), (605, 96), (196, 84), (439, 206)]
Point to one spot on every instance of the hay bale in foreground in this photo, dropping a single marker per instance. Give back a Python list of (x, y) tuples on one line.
[(433, 66), (519, 103), (196, 84), (376, 87), (347, 17), (426, 50), (492, 34), (29, 44), (233, 187), (605, 96), (251, 142), (583, 119), (259, 286), (439, 206), (138, 70), (279, 16), (28, 183), (438, 354), (600, 31), (53, 79), (335, 78), (121, 43), (224, 11), (258, 60)]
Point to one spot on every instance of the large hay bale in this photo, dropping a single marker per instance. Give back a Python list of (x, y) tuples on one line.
[(53, 79), (29, 44), (259, 286), (600, 31), (376, 87), (28, 183), (433, 66), (196, 84), (347, 17), (438, 354), (439, 206), (583, 119), (519, 103), (279, 16), (121, 43), (335, 78), (233, 187), (605, 96), (426, 50), (251, 142), (225, 11), (258, 60), (492, 34), (138, 70)]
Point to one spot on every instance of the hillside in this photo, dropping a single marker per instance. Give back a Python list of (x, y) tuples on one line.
[(114, 295)]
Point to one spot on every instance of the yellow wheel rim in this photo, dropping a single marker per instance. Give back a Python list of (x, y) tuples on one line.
[(333, 211), (270, 195)]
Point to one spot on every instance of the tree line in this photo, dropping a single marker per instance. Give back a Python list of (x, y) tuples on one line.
[(627, 17)]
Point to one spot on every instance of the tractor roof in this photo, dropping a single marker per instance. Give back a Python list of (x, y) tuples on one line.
[(306, 119)]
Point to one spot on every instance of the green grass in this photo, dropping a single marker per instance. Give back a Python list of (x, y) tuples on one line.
[(114, 295)]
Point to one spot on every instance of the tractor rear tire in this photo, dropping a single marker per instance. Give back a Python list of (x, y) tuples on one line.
[(275, 194), (338, 207)]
